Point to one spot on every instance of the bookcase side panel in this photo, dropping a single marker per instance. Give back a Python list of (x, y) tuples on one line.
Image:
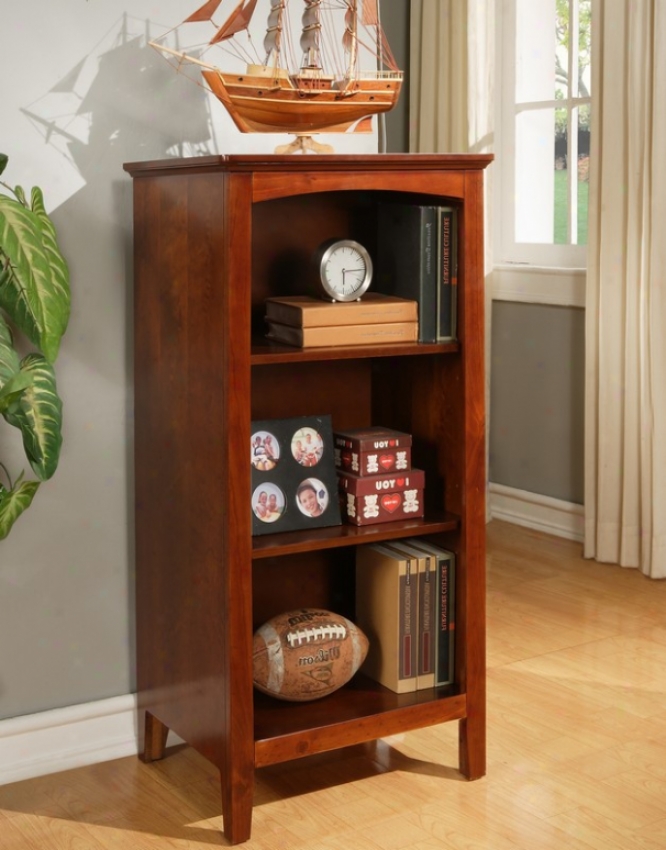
[(191, 386), (471, 599)]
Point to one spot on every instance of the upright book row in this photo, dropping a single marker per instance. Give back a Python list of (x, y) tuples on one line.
[(417, 258), (405, 604)]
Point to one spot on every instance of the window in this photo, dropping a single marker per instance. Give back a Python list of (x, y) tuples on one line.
[(543, 133)]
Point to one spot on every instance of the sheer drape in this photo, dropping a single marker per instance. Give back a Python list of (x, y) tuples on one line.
[(625, 428)]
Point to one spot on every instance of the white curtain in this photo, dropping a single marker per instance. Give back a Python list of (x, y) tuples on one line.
[(625, 416), (451, 76)]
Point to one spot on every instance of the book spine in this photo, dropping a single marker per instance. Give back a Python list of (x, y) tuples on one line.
[(444, 672), (426, 669), (408, 614), (377, 334), (444, 268), (428, 276), (454, 274)]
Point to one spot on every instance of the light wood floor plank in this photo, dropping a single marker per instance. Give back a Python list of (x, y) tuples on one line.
[(576, 744)]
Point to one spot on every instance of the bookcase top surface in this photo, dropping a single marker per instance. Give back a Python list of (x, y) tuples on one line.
[(314, 162)]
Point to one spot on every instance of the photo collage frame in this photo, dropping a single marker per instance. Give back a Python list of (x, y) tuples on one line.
[(294, 481)]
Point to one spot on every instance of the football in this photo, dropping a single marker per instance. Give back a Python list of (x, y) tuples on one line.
[(306, 654)]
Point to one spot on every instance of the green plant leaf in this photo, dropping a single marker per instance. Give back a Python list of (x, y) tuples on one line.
[(9, 359), (13, 502), (4, 159), (38, 415), (35, 286), (12, 380)]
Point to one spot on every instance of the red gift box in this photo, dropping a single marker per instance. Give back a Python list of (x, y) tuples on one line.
[(371, 499), (372, 451)]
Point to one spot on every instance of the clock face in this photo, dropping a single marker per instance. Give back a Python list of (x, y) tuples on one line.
[(345, 269)]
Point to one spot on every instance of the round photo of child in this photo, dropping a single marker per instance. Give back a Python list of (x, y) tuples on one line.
[(264, 451), (268, 502), (307, 446), (312, 497)]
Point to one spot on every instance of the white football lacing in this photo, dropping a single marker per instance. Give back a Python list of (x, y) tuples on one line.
[(312, 634)]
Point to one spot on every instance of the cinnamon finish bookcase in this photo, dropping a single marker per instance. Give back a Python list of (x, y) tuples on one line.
[(213, 238)]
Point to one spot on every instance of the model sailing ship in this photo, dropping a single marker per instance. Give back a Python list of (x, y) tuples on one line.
[(327, 91)]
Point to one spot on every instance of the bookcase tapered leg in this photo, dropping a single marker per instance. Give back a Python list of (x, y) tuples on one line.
[(237, 810), (155, 738), (472, 747)]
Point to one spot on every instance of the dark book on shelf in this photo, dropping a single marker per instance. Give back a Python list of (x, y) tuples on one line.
[(407, 259), (447, 267), (444, 613)]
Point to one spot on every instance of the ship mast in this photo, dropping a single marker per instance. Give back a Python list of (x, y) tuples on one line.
[(311, 35)]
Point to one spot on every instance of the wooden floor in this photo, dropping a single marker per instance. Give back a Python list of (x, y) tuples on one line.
[(577, 744)]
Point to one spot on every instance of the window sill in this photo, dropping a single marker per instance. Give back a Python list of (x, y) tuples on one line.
[(539, 285)]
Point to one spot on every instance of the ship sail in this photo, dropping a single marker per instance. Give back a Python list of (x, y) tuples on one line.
[(274, 30), (311, 35), (238, 21), (350, 37), (370, 13), (205, 13)]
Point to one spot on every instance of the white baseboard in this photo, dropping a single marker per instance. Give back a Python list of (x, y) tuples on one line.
[(553, 516), (63, 738)]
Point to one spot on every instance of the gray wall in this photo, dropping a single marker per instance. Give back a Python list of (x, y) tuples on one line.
[(536, 399), (395, 20), (86, 94)]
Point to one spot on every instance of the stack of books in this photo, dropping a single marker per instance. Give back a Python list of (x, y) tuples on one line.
[(308, 322), (405, 604), (376, 480)]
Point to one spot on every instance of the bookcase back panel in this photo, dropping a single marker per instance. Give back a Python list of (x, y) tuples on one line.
[(308, 580), (340, 389)]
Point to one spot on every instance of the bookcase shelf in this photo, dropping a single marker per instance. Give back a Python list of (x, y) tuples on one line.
[(213, 238), (288, 543), (354, 714), (265, 353)]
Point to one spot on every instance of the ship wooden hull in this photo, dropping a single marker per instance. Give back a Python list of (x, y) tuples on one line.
[(261, 104)]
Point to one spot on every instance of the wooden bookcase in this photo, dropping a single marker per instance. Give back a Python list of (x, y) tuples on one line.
[(213, 237)]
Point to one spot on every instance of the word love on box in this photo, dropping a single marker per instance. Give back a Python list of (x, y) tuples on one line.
[(367, 500), (372, 451)]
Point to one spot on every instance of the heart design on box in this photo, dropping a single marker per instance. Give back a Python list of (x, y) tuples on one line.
[(391, 502), (392, 442), (386, 461), (346, 460), (401, 481)]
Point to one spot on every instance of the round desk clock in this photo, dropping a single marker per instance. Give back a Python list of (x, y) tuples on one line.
[(345, 269)]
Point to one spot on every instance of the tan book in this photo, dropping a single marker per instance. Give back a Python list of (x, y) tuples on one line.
[(427, 577), (317, 337), (304, 311), (386, 611)]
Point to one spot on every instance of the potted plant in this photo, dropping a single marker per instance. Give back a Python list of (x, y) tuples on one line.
[(35, 302)]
